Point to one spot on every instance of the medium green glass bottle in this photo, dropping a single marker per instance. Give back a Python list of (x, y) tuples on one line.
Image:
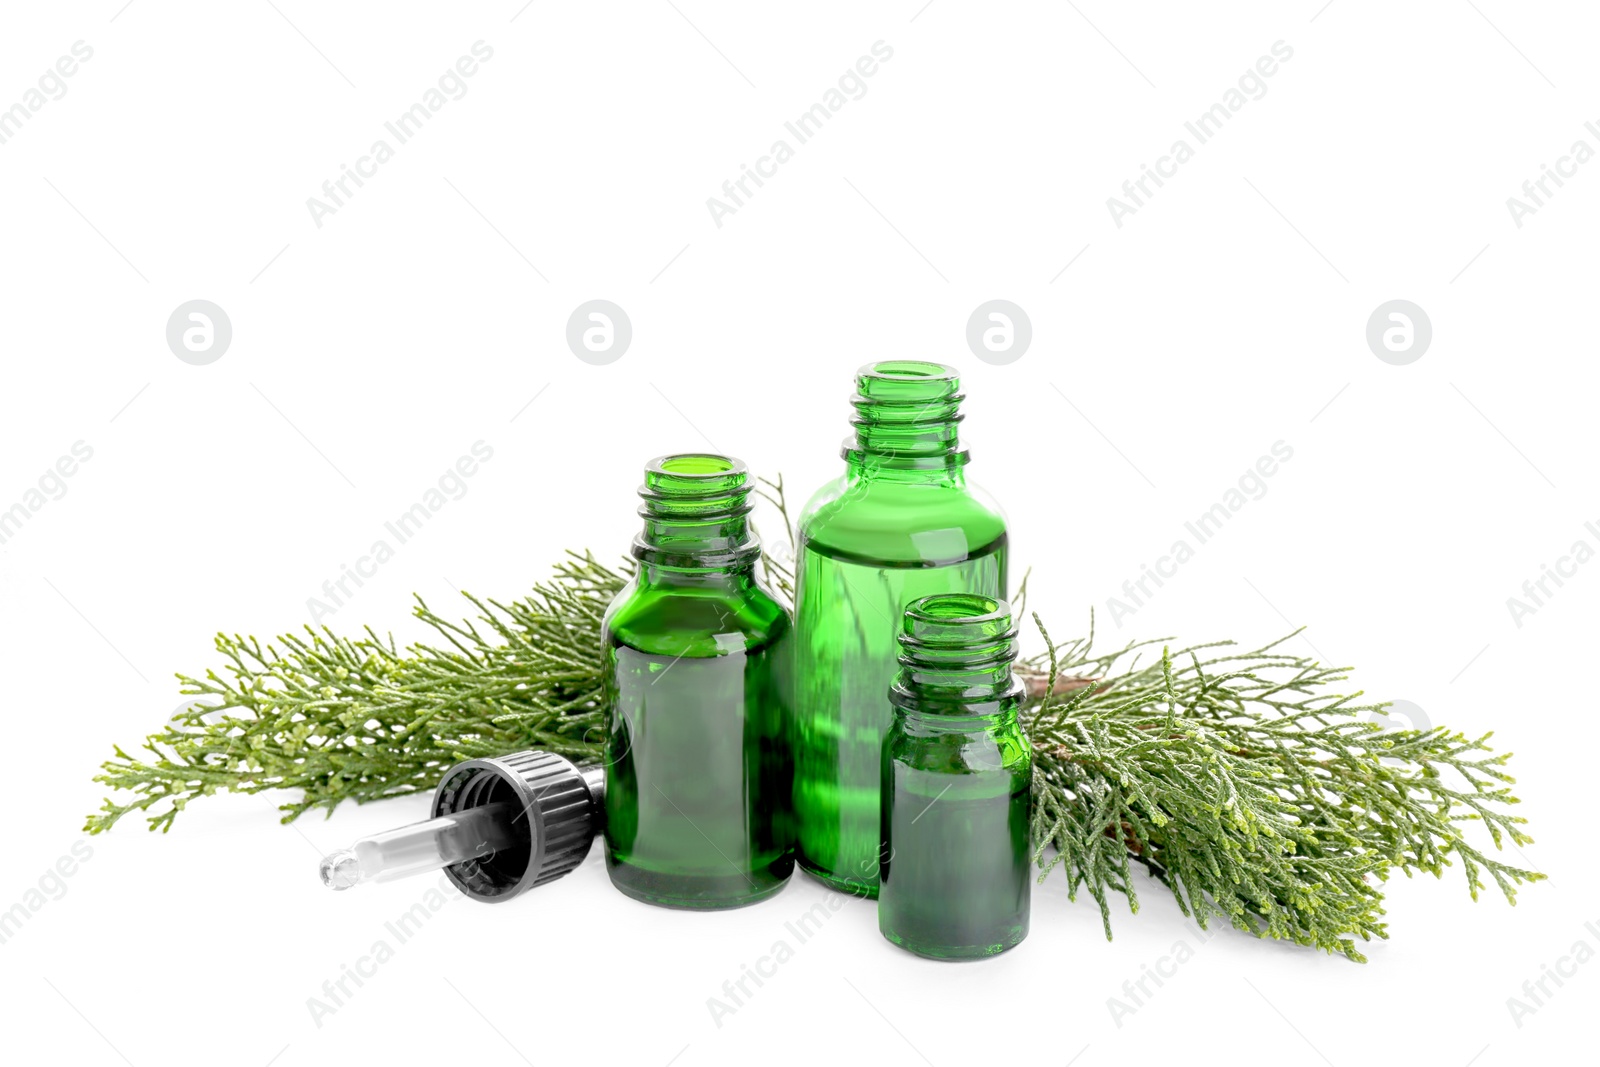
[(698, 776), (901, 523), (955, 862)]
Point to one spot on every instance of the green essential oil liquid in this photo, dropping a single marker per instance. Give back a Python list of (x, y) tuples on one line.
[(698, 774), (955, 862), (902, 523)]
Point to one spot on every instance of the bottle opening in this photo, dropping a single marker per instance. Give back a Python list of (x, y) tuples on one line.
[(696, 463), (957, 620), (694, 476), (958, 606), (909, 368), (909, 381)]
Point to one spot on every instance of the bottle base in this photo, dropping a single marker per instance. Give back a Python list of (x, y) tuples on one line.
[(954, 953), (853, 886), (688, 893)]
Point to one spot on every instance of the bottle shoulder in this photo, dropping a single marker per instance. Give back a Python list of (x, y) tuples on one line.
[(913, 522), (694, 621), (948, 744)]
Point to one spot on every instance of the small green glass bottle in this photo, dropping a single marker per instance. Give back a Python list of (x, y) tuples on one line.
[(955, 862), (901, 523), (698, 776)]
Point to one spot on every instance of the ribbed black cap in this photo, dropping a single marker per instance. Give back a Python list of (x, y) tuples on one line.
[(560, 812)]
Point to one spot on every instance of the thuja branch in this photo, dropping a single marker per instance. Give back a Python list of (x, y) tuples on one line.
[(778, 574), (1247, 785), (360, 719)]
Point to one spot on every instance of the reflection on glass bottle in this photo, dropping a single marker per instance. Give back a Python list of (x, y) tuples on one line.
[(901, 523)]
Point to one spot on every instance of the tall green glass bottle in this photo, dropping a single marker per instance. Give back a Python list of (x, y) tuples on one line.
[(698, 776), (900, 524), (955, 863)]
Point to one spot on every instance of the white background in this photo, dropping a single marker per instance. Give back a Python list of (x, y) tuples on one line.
[(1227, 314)]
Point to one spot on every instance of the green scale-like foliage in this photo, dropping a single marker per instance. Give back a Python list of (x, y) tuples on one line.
[(361, 719), (1251, 789)]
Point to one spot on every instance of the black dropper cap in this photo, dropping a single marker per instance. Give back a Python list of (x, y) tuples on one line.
[(559, 811), (500, 827)]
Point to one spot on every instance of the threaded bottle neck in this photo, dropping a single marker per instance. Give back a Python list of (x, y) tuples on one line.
[(696, 514), (956, 651), (906, 416)]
